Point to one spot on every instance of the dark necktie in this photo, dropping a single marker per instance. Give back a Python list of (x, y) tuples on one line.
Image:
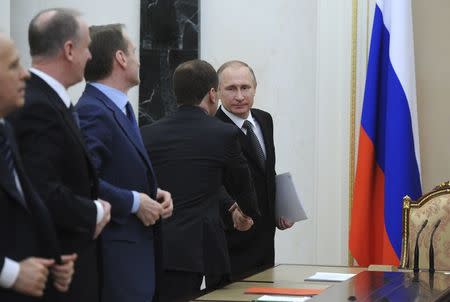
[(255, 144), (7, 156), (5, 151), (132, 119), (75, 116)]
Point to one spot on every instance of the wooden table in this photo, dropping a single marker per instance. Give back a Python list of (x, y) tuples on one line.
[(280, 276)]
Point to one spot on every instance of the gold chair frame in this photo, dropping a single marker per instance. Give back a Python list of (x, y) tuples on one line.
[(408, 204)]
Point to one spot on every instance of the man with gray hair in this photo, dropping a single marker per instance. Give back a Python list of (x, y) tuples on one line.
[(52, 148)]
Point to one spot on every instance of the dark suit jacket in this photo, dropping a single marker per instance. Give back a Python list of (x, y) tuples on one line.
[(58, 164), (123, 165), (26, 228), (253, 250), (191, 154)]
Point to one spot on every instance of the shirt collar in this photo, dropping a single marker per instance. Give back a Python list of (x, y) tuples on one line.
[(60, 90), (239, 121), (116, 96)]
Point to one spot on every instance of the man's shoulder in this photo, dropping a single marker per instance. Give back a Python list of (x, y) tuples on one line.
[(35, 92), (38, 94), (261, 113), (87, 102), (155, 128)]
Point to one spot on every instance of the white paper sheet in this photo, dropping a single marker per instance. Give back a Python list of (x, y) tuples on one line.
[(283, 298), (329, 277), (287, 201)]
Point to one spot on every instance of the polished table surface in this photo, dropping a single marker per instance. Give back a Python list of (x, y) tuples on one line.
[(364, 288), (280, 276), (298, 272), (390, 287)]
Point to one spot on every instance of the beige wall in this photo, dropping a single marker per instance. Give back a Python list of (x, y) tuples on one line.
[(5, 16), (432, 51)]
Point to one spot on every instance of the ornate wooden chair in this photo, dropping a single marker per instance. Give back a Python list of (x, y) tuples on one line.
[(433, 206)]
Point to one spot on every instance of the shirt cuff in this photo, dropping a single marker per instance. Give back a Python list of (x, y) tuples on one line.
[(136, 202), (9, 273), (100, 211)]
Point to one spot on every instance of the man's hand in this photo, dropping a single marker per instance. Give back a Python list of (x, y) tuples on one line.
[(241, 222), (32, 276), (62, 274), (284, 223), (149, 210), (165, 199), (106, 218)]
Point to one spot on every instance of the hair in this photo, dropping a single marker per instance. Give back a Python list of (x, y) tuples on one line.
[(106, 40), (236, 63), (192, 80), (47, 36)]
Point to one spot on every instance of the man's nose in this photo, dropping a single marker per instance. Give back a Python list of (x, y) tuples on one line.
[(239, 95)]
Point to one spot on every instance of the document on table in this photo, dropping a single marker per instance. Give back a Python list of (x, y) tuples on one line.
[(287, 201), (282, 298), (329, 277)]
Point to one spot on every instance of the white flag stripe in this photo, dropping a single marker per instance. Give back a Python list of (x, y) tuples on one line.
[(397, 17)]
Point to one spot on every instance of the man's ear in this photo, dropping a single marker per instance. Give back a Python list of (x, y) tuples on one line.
[(212, 94), (121, 58), (68, 50)]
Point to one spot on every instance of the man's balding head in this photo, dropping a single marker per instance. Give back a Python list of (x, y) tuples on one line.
[(50, 29)]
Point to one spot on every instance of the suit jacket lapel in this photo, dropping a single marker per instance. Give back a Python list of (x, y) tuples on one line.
[(9, 185), (7, 181), (56, 101), (123, 122), (246, 146)]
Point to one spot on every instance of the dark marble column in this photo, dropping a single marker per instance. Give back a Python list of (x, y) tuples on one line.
[(169, 36)]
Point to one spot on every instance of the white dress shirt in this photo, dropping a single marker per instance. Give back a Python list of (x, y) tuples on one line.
[(238, 121)]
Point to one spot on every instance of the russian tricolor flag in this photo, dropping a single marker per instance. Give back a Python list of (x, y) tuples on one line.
[(388, 153)]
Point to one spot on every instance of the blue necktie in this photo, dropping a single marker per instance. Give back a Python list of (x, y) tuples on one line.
[(132, 119)]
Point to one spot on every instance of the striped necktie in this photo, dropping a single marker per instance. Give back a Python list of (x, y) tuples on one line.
[(75, 116), (7, 156), (255, 144), (5, 151)]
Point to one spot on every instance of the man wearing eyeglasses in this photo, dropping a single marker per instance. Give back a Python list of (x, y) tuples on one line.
[(251, 251)]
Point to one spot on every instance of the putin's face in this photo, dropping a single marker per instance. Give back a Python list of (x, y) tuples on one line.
[(237, 90)]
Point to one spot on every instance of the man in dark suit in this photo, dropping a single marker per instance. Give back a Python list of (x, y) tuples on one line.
[(126, 174), (52, 148), (191, 153), (26, 228), (254, 250)]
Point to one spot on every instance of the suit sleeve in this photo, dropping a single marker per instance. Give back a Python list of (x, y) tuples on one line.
[(238, 181), (40, 140), (96, 127)]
